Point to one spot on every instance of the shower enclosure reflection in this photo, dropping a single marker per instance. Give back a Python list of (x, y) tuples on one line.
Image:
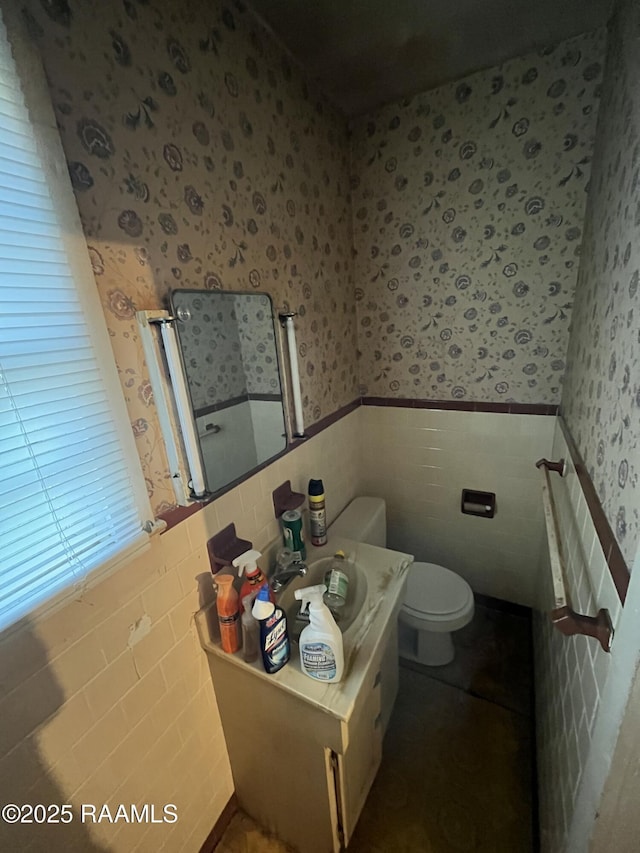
[(228, 347)]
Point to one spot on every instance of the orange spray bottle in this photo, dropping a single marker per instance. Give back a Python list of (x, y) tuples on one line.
[(228, 614), (254, 576)]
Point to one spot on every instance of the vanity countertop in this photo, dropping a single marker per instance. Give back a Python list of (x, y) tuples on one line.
[(386, 573)]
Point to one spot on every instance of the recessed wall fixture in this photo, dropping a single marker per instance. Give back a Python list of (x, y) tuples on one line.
[(286, 320), (188, 481)]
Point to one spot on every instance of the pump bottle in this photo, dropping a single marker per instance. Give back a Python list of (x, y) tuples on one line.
[(321, 648)]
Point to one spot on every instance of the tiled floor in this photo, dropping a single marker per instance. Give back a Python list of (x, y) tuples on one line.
[(456, 770)]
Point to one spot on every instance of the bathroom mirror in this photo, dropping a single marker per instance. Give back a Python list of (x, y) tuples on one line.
[(228, 348)]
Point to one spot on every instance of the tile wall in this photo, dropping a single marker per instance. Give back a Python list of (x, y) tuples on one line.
[(581, 690), (110, 699), (570, 671), (419, 460), (601, 399)]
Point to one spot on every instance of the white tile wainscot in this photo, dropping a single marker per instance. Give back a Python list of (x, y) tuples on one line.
[(110, 700), (570, 672), (419, 460)]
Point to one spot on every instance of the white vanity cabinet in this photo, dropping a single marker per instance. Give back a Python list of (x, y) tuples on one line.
[(303, 754)]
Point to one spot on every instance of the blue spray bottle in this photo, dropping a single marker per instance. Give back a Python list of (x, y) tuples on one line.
[(274, 639)]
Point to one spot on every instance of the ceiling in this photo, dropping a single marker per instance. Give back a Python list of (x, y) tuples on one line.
[(365, 53)]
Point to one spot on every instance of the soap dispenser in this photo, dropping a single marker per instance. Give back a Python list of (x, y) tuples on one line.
[(321, 648), (254, 576)]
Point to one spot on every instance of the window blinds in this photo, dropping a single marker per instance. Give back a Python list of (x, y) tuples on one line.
[(67, 501)]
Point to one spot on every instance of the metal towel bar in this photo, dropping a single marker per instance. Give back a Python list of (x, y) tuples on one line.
[(563, 616)]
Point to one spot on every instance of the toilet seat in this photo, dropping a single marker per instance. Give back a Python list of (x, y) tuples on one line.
[(436, 599)]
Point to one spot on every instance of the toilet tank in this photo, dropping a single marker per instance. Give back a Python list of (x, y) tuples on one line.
[(365, 520)]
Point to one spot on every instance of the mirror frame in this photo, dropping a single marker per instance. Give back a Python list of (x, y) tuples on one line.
[(284, 378)]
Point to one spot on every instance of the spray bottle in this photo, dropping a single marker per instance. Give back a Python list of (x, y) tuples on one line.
[(227, 607), (254, 576), (321, 649)]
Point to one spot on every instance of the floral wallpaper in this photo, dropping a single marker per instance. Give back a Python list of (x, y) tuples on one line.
[(257, 344), (601, 401), (228, 345), (201, 159), (468, 202), (210, 344)]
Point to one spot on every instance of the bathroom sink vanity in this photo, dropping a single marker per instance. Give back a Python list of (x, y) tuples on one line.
[(304, 754)]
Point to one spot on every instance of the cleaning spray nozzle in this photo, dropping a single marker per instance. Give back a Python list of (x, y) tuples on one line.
[(312, 594), (247, 562)]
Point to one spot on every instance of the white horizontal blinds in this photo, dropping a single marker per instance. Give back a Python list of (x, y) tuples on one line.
[(67, 502)]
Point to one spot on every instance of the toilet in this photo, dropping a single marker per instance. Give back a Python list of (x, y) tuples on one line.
[(436, 602)]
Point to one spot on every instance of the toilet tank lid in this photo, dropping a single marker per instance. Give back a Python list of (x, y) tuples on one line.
[(433, 589)]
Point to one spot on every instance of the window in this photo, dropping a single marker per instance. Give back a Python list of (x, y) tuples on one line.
[(72, 495)]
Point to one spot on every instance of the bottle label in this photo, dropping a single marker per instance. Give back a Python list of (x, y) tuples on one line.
[(318, 526), (318, 517), (293, 534), (279, 655), (229, 632), (318, 661), (337, 584), (276, 641), (274, 636)]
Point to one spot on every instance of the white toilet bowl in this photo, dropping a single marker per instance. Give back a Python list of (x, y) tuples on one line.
[(437, 601)]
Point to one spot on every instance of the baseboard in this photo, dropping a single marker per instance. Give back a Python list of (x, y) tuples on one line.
[(213, 839)]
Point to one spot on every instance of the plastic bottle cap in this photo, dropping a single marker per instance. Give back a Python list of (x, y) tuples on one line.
[(262, 606), (316, 487), (247, 562), (263, 593)]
